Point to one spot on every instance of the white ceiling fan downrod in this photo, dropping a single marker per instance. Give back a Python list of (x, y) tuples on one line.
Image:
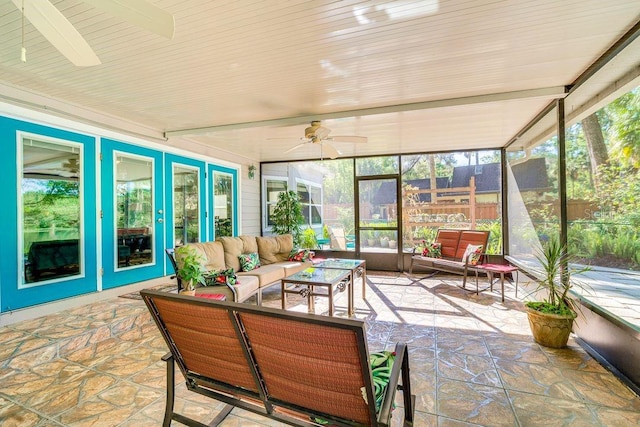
[(23, 51)]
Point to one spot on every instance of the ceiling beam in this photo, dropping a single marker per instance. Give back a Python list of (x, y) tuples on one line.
[(24, 98), (553, 92)]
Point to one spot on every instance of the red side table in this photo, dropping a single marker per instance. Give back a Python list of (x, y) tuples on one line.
[(501, 269)]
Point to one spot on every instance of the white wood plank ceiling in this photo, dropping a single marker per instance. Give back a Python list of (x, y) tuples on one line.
[(361, 66)]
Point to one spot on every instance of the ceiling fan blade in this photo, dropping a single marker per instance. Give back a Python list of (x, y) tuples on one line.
[(295, 147), (140, 13), (59, 32), (321, 132), (329, 150), (346, 138)]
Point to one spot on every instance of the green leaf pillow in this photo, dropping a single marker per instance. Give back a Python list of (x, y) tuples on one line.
[(249, 261)]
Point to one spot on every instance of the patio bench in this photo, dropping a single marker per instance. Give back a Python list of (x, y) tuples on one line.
[(454, 245), (299, 369)]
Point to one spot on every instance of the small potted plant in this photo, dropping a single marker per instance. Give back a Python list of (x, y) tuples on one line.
[(551, 320), (393, 244), (190, 268), (384, 241)]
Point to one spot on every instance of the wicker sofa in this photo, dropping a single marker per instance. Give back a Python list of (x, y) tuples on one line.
[(225, 252)]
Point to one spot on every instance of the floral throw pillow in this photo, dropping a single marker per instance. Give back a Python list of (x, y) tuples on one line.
[(432, 250), (249, 262), (220, 277), (473, 252), (300, 255)]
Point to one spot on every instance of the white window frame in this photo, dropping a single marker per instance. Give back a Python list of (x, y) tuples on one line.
[(317, 204), (265, 206)]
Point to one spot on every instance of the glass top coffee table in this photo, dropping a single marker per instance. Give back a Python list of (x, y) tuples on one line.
[(358, 267), (315, 277)]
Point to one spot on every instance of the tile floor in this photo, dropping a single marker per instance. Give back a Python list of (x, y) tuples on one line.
[(473, 362)]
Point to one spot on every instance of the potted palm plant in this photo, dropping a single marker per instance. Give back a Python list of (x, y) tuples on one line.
[(190, 268), (551, 320)]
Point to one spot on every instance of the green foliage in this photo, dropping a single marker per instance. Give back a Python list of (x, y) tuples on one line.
[(624, 129), (134, 205), (223, 227), (308, 239), (51, 210), (494, 245), (428, 234), (417, 166), (548, 308), (190, 268), (554, 276), (620, 190), (338, 181), (546, 222), (346, 219), (610, 245), (325, 232), (287, 215), (381, 165)]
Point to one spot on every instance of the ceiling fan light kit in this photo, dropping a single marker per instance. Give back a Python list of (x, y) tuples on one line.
[(318, 134)]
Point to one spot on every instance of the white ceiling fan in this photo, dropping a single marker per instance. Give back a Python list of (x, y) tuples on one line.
[(72, 165), (318, 134), (53, 25)]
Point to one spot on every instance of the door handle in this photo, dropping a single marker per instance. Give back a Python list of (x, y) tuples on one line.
[(160, 220)]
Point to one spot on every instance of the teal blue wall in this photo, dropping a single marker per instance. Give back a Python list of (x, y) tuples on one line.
[(11, 297)]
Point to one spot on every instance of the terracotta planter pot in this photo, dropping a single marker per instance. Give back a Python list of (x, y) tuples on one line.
[(550, 330), (189, 289)]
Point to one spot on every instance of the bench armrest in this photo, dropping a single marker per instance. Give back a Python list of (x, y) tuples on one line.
[(483, 256), (400, 370)]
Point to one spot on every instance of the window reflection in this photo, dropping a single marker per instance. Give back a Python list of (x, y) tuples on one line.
[(186, 205), (134, 211), (223, 204), (51, 219), (273, 189)]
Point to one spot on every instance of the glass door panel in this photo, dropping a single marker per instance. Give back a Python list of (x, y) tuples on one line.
[(133, 213), (134, 210), (223, 204), (223, 201), (185, 201), (186, 205), (377, 220), (51, 210)]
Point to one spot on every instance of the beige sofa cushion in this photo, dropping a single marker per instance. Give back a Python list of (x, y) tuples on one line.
[(266, 274), (212, 254), (274, 248), (292, 267), (236, 246)]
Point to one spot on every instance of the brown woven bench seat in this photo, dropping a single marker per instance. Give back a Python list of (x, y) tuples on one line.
[(290, 367)]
